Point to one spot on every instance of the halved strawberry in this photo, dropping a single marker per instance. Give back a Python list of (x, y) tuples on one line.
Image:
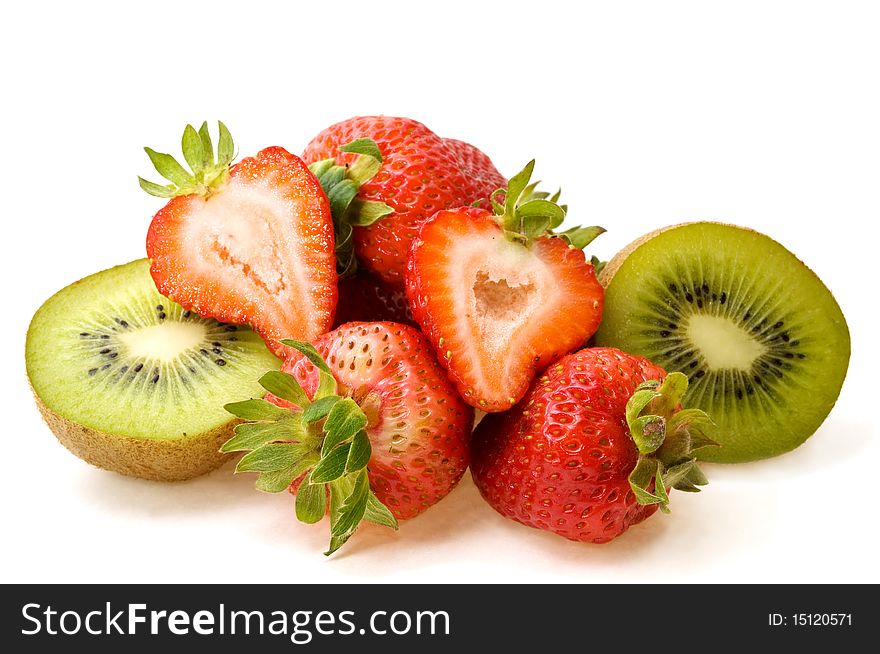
[(248, 243), (499, 296)]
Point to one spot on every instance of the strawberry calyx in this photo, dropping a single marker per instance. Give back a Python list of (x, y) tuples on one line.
[(341, 183), (525, 213), (666, 439), (209, 172), (320, 440)]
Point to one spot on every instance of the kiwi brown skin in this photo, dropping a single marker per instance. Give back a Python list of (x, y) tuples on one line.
[(146, 458)]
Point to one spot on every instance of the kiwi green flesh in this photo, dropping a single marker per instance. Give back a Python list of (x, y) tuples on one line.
[(110, 358), (762, 340)]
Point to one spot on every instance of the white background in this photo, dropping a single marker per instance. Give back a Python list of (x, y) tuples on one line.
[(765, 114)]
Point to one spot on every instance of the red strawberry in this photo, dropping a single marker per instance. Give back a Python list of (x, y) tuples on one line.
[(500, 297), (580, 454), (368, 416), (479, 169), (415, 174), (363, 297), (247, 243)]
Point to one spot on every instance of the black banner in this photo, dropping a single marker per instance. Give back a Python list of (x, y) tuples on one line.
[(433, 618)]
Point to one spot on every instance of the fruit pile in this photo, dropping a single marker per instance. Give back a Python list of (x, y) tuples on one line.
[(338, 320)]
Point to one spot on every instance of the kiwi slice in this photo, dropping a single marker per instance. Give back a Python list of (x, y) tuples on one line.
[(760, 337), (130, 381)]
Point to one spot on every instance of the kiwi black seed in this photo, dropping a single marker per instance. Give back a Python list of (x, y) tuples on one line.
[(762, 340), (119, 375)]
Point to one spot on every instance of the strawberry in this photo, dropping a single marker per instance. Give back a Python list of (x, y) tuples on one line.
[(405, 173), (592, 448), (363, 297), (499, 296), (366, 417), (478, 168), (246, 243)]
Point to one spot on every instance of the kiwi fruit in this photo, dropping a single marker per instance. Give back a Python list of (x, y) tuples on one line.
[(131, 382), (762, 340)]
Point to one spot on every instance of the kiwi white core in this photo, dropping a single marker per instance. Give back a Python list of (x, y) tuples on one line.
[(164, 342), (724, 345)]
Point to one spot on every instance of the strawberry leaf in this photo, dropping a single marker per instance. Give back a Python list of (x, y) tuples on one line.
[(581, 237), (676, 473), (207, 146), (280, 480), (193, 151), (157, 190), (319, 409), (167, 166), (378, 513), (516, 186), (256, 410), (321, 168), (340, 195), (696, 477), (637, 402), (531, 227), (365, 213), (670, 393), (270, 457), (360, 452), (363, 146), (308, 350), (365, 166), (345, 520), (648, 433), (640, 478), (326, 385), (225, 146), (344, 420), (346, 262), (250, 436), (311, 501), (551, 212), (332, 466), (284, 386)]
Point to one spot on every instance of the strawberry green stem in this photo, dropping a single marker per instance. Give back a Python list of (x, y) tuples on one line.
[(322, 440), (666, 439), (209, 174), (342, 184), (527, 213)]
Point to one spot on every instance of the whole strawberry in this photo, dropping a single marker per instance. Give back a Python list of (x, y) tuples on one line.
[(250, 242), (365, 418), (413, 173), (592, 448)]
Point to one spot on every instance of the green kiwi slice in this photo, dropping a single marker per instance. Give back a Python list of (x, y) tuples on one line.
[(130, 381), (761, 339)]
